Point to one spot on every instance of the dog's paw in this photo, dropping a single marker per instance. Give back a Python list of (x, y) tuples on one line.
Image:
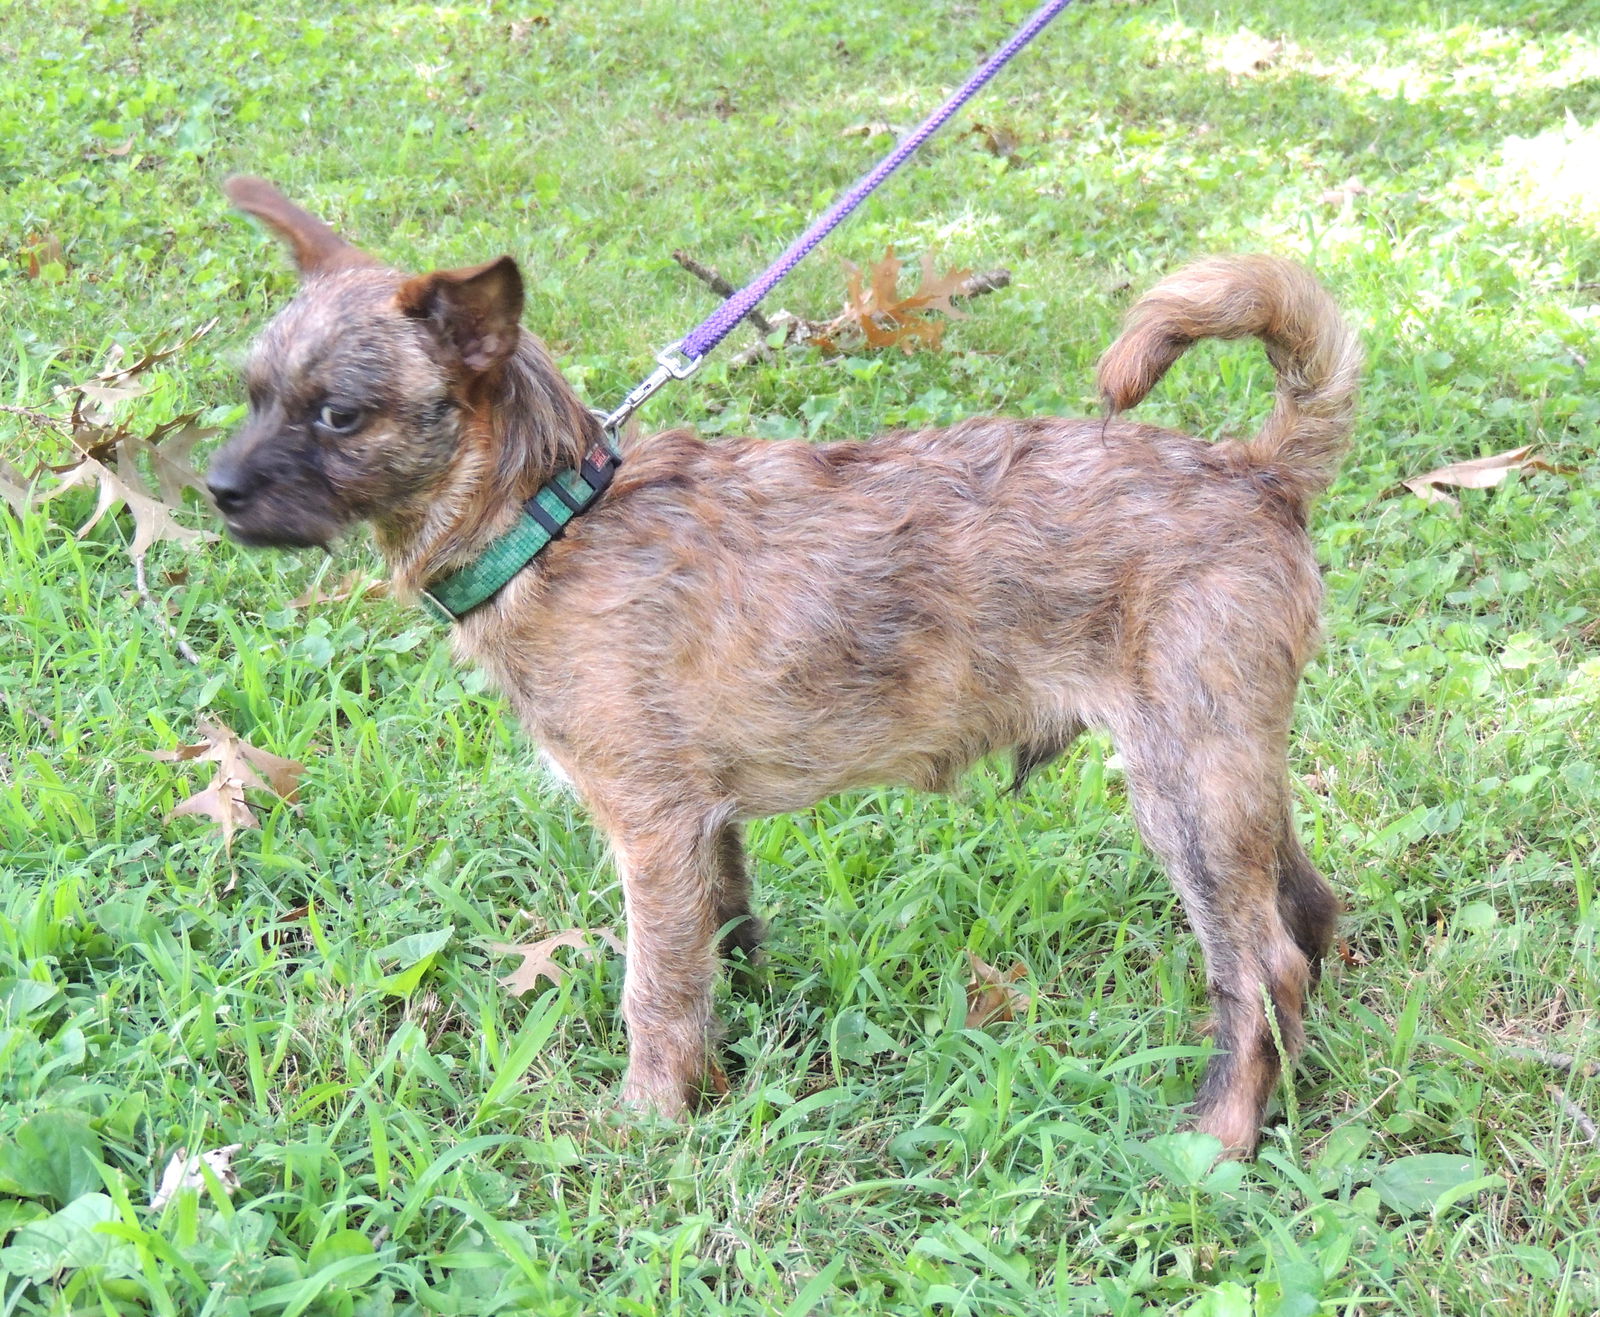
[(646, 1097), (1238, 1132)]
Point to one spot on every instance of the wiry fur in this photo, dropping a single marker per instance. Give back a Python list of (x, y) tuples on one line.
[(740, 628)]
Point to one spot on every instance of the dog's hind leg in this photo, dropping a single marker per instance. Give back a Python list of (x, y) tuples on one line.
[(741, 931), (671, 882), (1212, 801), (1309, 908), (1029, 757)]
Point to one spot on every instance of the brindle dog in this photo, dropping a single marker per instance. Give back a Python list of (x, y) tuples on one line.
[(739, 628)]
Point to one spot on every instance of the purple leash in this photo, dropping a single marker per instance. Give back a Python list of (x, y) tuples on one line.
[(683, 358)]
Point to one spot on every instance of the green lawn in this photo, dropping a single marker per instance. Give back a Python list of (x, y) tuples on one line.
[(416, 1140)]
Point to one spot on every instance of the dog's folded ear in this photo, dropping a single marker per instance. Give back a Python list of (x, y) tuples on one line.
[(317, 248), (474, 313)]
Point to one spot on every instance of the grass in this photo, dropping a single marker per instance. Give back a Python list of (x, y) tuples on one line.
[(416, 1141)]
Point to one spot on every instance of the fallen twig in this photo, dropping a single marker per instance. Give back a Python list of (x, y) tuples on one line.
[(157, 612), (1555, 1060), (58, 423), (987, 281), (720, 286), (1578, 1115), (798, 329)]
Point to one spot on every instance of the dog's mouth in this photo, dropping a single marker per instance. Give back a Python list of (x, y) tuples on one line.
[(278, 520), (272, 515), (276, 537)]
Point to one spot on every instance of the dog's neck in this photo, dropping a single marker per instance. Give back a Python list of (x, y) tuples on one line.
[(522, 426)]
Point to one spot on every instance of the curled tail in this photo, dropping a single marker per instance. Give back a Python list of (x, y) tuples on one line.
[(1313, 351)]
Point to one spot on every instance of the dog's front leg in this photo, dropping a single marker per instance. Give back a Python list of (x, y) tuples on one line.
[(670, 885)]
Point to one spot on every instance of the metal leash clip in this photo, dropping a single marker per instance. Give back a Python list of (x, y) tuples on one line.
[(672, 363)]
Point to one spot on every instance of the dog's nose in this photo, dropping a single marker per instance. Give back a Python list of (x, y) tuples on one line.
[(228, 487)]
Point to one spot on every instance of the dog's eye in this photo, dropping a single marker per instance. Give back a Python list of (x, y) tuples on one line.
[(339, 420)]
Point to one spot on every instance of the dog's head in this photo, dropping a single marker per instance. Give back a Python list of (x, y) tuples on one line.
[(360, 389)]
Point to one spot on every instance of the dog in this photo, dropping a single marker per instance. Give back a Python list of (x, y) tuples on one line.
[(739, 628)]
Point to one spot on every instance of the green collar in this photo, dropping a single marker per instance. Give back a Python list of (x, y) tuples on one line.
[(543, 518)]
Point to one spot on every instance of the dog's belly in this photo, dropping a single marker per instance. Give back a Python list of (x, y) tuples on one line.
[(793, 762), (761, 789)]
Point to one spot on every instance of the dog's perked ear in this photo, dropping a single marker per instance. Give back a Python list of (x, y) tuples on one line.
[(317, 248), (474, 313)]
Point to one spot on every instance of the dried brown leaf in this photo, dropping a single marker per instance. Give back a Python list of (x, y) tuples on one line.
[(14, 487), (240, 767), (998, 140), (935, 290), (875, 128), (715, 1081), (282, 775), (152, 520), (886, 282), (114, 370), (43, 249), (352, 583), (107, 396), (991, 999), (1349, 956), (1477, 473), (876, 311), (167, 449), (538, 961), (183, 1172), (222, 802)]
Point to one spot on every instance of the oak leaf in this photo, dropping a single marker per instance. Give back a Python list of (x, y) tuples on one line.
[(152, 519), (107, 450), (1477, 473), (538, 961), (167, 449), (991, 998), (876, 311), (14, 487), (240, 767)]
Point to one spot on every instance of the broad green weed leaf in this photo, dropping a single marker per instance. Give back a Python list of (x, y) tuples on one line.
[(340, 1245), (1463, 1192), (1226, 1300), (415, 955), (1476, 917), (20, 997), (1412, 1186), (857, 1040), (67, 1239), (16, 1212), (54, 1156), (915, 1148), (1183, 1160), (1295, 1291), (1345, 1147)]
